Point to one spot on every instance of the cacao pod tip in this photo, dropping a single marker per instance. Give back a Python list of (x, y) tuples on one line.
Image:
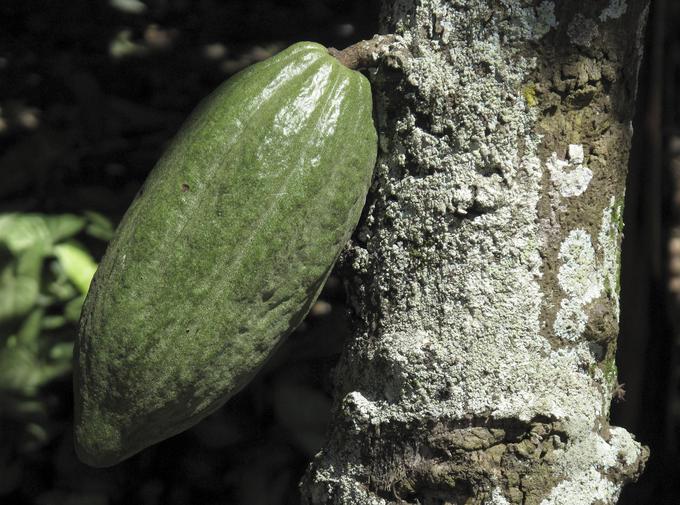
[(98, 442)]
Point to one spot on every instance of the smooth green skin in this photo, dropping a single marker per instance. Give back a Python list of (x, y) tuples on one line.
[(223, 251)]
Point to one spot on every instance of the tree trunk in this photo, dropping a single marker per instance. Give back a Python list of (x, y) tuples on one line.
[(484, 277)]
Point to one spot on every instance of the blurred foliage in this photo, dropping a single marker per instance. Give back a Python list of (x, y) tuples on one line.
[(45, 272)]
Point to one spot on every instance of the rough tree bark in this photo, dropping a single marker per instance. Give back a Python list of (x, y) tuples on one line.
[(484, 276)]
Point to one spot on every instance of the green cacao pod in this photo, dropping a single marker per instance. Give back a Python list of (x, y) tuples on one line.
[(223, 251)]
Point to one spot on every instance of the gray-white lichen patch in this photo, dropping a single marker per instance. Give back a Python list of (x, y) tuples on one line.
[(578, 277), (585, 275), (597, 458), (571, 177), (614, 10), (588, 482), (545, 19), (497, 498)]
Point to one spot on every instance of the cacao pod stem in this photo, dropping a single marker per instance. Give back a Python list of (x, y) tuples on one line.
[(365, 53)]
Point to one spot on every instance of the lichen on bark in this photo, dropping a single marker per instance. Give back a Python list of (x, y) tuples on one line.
[(504, 132)]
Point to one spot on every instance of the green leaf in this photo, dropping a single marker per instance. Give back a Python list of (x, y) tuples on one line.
[(19, 287), (99, 226), (29, 262), (51, 371), (56, 283), (128, 6), (19, 370), (30, 330), (122, 45), (63, 351), (35, 436), (64, 226), (18, 407), (23, 231), (53, 322), (77, 264), (61, 289), (73, 308)]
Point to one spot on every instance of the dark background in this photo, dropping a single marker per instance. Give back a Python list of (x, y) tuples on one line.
[(91, 91)]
